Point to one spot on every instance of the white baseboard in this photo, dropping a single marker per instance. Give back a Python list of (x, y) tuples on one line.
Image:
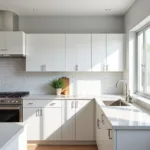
[(62, 142)]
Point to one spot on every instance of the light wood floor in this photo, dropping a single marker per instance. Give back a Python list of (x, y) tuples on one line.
[(33, 147)]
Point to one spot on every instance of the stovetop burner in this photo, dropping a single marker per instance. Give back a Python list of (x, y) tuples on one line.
[(13, 94)]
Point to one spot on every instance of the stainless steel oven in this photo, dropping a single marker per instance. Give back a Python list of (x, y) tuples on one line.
[(11, 109), (11, 113)]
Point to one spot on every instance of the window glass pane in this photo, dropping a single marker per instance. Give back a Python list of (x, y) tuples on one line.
[(147, 46), (140, 63)]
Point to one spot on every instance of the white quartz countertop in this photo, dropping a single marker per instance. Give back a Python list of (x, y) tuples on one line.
[(125, 117), (120, 117), (8, 131), (49, 97)]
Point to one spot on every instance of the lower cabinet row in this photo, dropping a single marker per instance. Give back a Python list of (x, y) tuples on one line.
[(60, 119)]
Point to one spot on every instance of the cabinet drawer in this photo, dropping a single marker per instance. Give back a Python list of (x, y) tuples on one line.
[(40, 103)]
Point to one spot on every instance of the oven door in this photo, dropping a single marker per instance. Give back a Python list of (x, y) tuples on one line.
[(10, 113)]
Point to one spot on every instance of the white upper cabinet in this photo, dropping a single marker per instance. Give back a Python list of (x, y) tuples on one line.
[(107, 52), (12, 43), (15, 43), (78, 52), (45, 52), (115, 49), (98, 52)]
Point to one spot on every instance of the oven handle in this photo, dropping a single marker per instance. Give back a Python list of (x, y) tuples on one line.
[(9, 108)]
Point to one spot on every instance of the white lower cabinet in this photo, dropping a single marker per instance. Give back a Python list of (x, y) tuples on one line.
[(104, 132), (44, 123), (75, 115), (68, 120), (57, 120), (32, 119), (51, 123), (85, 120)]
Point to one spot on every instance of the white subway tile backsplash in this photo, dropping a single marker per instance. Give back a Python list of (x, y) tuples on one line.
[(14, 78)]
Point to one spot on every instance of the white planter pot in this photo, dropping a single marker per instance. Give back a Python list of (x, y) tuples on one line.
[(58, 91)]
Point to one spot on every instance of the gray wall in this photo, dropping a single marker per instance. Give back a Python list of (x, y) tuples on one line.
[(14, 78), (109, 24), (137, 13)]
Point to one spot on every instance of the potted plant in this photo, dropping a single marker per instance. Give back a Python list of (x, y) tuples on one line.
[(57, 84)]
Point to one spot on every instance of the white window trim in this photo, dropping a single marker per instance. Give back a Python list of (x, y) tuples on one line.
[(141, 93)]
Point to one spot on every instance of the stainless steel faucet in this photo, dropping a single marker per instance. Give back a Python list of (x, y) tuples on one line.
[(127, 96)]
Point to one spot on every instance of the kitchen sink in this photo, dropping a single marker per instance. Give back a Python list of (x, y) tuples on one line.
[(115, 103)]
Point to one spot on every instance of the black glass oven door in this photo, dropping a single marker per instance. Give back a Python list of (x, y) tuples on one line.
[(9, 114)]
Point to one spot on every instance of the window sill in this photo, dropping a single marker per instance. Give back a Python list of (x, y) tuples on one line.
[(141, 101)]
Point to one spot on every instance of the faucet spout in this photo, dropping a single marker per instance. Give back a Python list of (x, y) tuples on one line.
[(126, 88)]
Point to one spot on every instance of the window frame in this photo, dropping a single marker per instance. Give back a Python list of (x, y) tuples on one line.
[(142, 93)]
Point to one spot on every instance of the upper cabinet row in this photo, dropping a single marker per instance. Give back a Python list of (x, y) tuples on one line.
[(12, 43), (74, 52)]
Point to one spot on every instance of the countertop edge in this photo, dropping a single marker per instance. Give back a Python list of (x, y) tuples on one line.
[(11, 139)]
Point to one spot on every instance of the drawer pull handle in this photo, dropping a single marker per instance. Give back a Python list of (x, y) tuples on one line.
[(98, 123), (30, 103), (52, 104), (102, 119), (109, 134)]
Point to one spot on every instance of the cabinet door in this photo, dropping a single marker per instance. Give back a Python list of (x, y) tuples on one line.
[(31, 117), (98, 121), (115, 46), (98, 52), (2, 43), (68, 120), (51, 123), (15, 43), (78, 52), (36, 47), (45, 52), (85, 116), (106, 140), (55, 54)]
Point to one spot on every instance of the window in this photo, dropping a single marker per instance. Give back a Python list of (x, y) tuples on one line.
[(143, 40)]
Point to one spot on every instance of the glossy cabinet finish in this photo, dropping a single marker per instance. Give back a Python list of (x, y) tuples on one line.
[(45, 52), (99, 55), (107, 52), (60, 120), (44, 123), (32, 119), (85, 118), (78, 52), (12, 43), (115, 50)]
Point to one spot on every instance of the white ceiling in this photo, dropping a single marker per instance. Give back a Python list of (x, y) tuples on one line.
[(66, 7)]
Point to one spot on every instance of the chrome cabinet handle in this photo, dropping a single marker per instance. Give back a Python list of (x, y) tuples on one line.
[(37, 113), (30, 103), (109, 133), (43, 68), (76, 68), (76, 104), (98, 123), (102, 118), (41, 113)]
